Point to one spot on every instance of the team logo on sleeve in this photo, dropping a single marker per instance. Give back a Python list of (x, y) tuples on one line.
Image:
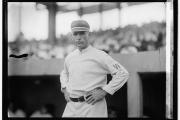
[(116, 66)]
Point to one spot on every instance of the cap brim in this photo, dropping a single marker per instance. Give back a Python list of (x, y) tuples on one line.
[(79, 29)]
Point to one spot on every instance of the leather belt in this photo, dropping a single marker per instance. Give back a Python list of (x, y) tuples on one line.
[(80, 99)]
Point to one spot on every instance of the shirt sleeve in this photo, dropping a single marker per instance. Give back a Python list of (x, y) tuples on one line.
[(64, 76), (119, 74)]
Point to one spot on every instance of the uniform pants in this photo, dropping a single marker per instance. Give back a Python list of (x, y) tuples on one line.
[(83, 109)]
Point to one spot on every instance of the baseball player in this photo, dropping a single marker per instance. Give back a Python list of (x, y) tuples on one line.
[(83, 79)]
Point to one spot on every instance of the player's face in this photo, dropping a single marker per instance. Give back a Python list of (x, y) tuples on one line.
[(81, 39)]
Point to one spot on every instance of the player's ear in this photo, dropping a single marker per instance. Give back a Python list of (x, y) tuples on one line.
[(71, 34)]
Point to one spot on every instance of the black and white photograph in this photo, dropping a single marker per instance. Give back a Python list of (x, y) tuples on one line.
[(90, 60)]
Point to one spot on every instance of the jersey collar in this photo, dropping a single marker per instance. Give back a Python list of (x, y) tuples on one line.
[(86, 49)]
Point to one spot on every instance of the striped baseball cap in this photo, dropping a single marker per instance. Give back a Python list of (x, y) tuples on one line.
[(79, 25)]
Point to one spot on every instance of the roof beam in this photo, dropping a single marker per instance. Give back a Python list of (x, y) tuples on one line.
[(91, 9)]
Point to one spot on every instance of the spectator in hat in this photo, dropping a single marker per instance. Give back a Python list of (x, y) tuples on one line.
[(42, 112), (83, 79)]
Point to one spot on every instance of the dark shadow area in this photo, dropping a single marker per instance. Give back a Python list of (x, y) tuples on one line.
[(117, 104), (154, 94), (30, 93)]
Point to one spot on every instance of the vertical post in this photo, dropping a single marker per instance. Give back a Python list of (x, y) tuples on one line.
[(52, 23), (80, 11), (119, 10), (134, 95), (101, 19), (20, 17), (169, 61)]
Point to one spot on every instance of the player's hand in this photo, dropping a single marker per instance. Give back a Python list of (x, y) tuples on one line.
[(66, 94), (95, 95)]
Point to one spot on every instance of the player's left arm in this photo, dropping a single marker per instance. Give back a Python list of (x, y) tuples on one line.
[(119, 75)]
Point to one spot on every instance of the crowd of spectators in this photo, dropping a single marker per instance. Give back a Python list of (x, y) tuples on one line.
[(45, 111), (130, 39)]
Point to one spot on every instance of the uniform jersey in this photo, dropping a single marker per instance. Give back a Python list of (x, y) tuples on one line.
[(87, 69)]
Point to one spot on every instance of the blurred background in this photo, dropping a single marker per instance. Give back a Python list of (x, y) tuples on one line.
[(42, 30)]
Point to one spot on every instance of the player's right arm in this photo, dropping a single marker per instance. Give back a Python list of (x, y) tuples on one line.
[(64, 76)]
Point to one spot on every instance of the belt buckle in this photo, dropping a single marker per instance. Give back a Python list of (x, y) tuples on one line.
[(79, 99)]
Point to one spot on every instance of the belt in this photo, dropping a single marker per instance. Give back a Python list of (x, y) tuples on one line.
[(80, 99)]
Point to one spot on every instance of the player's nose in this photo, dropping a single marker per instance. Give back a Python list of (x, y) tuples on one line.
[(78, 37)]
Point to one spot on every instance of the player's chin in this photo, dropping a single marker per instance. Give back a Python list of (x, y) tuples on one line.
[(80, 45)]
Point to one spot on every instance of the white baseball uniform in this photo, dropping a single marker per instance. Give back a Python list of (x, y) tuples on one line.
[(86, 70)]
